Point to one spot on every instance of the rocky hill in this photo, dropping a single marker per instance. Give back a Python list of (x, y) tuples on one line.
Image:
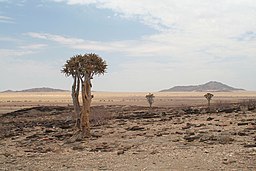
[(43, 89), (212, 86)]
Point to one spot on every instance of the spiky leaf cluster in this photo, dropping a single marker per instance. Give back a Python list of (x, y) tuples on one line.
[(208, 96), (86, 65)]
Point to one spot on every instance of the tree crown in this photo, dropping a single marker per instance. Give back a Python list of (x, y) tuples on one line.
[(86, 65), (150, 96), (208, 96)]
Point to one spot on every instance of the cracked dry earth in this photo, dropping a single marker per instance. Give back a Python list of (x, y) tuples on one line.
[(133, 139)]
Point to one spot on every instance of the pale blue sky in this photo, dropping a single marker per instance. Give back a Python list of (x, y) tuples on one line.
[(149, 45)]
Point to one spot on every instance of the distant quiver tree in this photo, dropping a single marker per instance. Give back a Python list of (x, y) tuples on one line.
[(150, 98), (83, 68), (208, 96)]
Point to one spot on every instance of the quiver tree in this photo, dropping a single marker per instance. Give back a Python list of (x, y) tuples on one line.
[(150, 98), (83, 68), (208, 96)]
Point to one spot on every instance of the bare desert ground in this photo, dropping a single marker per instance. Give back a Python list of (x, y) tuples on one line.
[(18, 100), (177, 134)]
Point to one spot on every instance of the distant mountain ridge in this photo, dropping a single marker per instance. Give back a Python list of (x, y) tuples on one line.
[(43, 89), (212, 86)]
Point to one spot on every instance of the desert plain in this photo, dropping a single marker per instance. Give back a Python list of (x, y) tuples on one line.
[(178, 133)]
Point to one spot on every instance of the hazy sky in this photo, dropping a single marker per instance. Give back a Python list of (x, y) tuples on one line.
[(149, 45)]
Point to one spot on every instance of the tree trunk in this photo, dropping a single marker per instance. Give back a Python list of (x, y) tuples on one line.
[(209, 101), (75, 98), (85, 114)]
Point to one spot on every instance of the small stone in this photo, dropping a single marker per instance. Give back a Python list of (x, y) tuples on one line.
[(250, 145), (78, 147), (209, 119), (180, 133), (229, 162), (186, 127), (135, 128), (200, 125), (191, 138), (159, 134), (120, 152), (242, 134), (242, 123), (175, 140), (206, 151), (154, 152), (225, 140)]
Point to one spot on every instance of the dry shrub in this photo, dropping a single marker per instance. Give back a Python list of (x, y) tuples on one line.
[(99, 116), (249, 104), (220, 105), (226, 106)]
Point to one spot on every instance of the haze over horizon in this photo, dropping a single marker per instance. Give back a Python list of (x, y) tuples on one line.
[(148, 45)]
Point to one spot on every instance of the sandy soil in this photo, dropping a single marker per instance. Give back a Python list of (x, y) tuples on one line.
[(130, 138), (17, 100)]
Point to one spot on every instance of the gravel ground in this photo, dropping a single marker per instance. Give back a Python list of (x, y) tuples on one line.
[(131, 139)]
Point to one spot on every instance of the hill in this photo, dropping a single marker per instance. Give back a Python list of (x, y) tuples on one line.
[(7, 91), (212, 86), (43, 89)]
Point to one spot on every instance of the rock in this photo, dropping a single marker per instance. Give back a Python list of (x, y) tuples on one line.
[(202, 131), (212, 139), (191, 138), (226, 161), (209, 118), (159, 134), (49, 131), (163, 114), (42, 150), (32, 136), (175, 140), (96, 135), (250, 145), (205, 138), (206, 151), (188, 125), (242, 123), (190, 132), (141, 134), (165, 133), (154, 152), (65, 126), (135, 128), (200, 125), (242, 134), (79, 147), (225, 140), (119, 152)]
